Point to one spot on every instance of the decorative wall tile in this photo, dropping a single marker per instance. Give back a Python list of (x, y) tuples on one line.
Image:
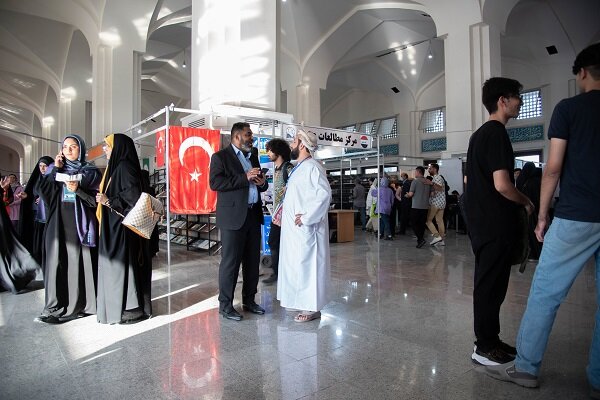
[(437, 144), (390, 149), (526, 133)]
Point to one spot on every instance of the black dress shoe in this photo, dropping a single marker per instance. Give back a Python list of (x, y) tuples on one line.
[(131, 321), (231, 314), (48, 319), (253, 308)]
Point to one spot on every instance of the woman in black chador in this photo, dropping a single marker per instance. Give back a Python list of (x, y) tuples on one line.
[(17, 267), (32, 219), (70, 256), (124, 266)]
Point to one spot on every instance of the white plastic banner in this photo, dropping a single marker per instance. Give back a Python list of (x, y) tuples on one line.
[(331, 137)]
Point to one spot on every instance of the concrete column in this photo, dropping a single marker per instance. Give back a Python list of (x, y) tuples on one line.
[(64, 116), (101, 93), (472, 55), (137, 86), (308, 105), (235, 46)]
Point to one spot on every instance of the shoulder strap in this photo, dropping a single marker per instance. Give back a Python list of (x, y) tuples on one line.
[(446, 186)]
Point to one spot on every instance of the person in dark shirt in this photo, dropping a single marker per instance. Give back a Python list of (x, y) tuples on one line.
[(574, 235), (405, 203), (491, 209)]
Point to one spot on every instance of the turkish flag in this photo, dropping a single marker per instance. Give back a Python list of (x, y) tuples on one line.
[(160, 149), (190, 150)]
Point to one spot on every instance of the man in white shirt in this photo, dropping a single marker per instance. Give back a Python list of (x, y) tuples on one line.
[(304, 266)]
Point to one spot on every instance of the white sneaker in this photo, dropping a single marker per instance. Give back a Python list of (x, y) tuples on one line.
[(436, 240), (441, 242)]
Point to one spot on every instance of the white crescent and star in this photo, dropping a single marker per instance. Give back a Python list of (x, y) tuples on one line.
[(159, 146), (194, 141)]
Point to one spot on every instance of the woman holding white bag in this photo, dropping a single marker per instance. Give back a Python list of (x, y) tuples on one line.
[(124, 262)]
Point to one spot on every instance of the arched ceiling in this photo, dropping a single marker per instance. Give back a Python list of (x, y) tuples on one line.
[(339, 45)]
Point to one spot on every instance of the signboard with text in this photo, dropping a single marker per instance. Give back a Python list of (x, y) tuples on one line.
[(331, 137)]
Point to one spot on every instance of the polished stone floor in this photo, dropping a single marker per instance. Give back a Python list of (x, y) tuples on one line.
[(399, 326)]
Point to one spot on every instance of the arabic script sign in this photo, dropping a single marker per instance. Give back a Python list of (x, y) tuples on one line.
[(331, 137)]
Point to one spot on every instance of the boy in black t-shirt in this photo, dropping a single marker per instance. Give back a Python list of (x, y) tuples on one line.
[(574, 235), (491, 209)]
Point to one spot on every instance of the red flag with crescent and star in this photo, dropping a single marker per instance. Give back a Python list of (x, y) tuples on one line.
[(160, 149), (190, 150)]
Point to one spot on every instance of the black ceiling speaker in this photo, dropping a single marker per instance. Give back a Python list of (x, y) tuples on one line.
[(551, 50), (395, 90)]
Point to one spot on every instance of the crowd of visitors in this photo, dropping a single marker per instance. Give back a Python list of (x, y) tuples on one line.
[(67, 220)]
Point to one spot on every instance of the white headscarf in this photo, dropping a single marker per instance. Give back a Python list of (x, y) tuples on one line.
[(309, 139)]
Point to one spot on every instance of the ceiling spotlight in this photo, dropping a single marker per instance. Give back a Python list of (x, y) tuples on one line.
[(139, 130), (429, 53), (183, 65), (403, 158)]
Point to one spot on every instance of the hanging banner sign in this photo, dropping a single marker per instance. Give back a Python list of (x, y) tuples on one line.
[(331, 137)]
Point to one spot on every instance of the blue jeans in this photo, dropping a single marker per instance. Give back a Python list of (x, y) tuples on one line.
[(568, 245), (385, 226)]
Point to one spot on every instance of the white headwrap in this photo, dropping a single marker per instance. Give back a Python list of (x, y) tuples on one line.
[(309, 139)]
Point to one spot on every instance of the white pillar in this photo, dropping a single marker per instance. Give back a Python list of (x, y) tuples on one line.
[(486, 63), (308, 105), (235, 53), (64, 116), (101, 93), (472, 55), (137, 86)]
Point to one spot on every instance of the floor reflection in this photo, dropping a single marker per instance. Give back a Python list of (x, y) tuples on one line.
[(398, 326)]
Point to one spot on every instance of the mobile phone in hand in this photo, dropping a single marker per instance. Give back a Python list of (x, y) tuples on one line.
[(263, 171)]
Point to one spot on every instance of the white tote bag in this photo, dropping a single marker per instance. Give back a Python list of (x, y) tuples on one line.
[(144, 215)]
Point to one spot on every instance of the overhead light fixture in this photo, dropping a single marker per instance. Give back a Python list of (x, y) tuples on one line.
[(183, 65), (430, 54)]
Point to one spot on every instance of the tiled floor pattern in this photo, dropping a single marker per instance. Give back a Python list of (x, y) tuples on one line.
[(399, 326)]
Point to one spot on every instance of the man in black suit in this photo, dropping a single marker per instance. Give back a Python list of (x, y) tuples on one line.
[(236, 177)]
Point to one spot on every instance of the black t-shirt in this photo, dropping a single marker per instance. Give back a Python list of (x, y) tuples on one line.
[(489, 213), (577, 120)]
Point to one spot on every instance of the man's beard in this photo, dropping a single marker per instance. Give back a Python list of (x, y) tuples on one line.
[(295, 153), (246, 147)]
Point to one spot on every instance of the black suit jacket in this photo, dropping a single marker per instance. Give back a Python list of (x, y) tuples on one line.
[(228, 179)]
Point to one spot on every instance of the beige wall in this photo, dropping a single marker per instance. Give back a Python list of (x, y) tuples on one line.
[(9, 161)]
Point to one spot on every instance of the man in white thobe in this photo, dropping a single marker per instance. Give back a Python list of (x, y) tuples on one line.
[(304, 270)]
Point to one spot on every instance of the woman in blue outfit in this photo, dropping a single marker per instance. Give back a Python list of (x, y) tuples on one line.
[(70, 256)]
